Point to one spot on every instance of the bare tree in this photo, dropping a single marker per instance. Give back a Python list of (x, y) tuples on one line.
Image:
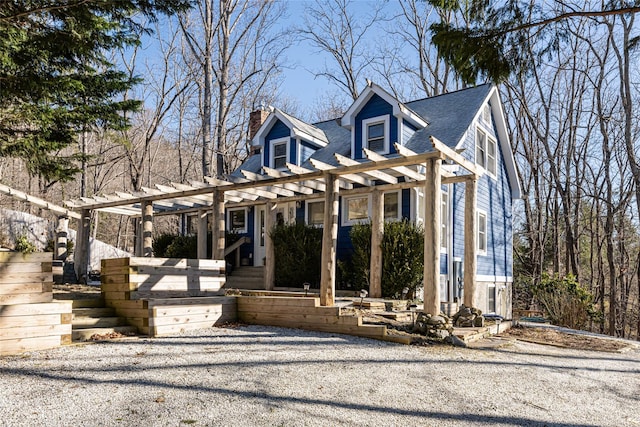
[(235, 45)]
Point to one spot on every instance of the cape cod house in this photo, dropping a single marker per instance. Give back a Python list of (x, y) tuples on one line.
[(468, 126)]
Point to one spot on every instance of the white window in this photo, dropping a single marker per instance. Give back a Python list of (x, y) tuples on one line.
[(486, 151), (482, 233), (392, 206), (355, 209), (279, 153), (481, 148), (375, 134), (237, 220), (444, 219), (315, 212)]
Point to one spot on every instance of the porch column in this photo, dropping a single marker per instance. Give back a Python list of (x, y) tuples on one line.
[(218, 226), (270, 253), (147, 229), (377, 231), (470, 242), (62, 233), (329, 241), (81, 251), (202, 234), (432, 227)]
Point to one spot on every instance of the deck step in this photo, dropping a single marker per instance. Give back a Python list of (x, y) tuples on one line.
[(89, 334), (93, 312), (96, 322)]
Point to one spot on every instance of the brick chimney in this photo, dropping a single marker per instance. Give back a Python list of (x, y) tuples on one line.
[(256, 119)]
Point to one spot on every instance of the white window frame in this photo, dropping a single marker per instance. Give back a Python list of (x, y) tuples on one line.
[(444, 221), (272, 151), (372, 121), (486, 114), (345, 205), (482, 237), (306, 211), (485, 143), (230, 224), (398, 217)]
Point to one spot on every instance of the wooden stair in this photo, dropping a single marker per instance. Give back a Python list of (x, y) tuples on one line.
[(245, 278), (91, 320)]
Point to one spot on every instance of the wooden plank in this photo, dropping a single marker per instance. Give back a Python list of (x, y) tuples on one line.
[(57, 307), (320, 311), (114, 262), (116, 296), (25, 267), (167, 283), (24, 321), (329, 241), (26, 298), (114, 278), (213, 317), (133, 312), (288, 319), (26, 277), (25, 288), (193, 300), (189, 310), (182, 270), (127, 304), (35, 331), (32, 344), (283, 301), (176, 278), (19, 257), (166, 330)]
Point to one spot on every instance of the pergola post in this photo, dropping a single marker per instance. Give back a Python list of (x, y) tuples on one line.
[(202, 234), (147, 229), (81, 251), (218, 228), (329, 240), (270, 253), (470, 242), (62, 233), (432, 229), (377, 231)]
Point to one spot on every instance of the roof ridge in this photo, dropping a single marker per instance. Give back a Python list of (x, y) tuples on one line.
[(448, 93)]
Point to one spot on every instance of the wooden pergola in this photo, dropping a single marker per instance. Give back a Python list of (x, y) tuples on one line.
[(375, 174)]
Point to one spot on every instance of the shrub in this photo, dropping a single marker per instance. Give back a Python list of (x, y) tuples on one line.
[(24, 245), (402, 258), (565, 301), (162, 243), (298, 252)]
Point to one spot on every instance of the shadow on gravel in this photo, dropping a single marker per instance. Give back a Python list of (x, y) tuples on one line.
[(425, 416)]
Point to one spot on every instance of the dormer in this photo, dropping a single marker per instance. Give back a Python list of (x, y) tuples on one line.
[(285, 139), (377, 120)]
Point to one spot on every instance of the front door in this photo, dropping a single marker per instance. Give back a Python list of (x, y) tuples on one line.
[(259, 251)]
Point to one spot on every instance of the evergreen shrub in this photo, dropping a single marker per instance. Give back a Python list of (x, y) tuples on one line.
[(298, 252)]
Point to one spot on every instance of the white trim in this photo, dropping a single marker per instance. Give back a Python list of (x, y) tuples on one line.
[(259, 138), (246, 220), (489, 140), (345, 199), (373, 121), (480, 212), (494, 279), (272, 143), (306, 211), (445, 220)]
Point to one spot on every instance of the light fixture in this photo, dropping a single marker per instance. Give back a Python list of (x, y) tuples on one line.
[(413, 309), (306, 286), (363, 294)]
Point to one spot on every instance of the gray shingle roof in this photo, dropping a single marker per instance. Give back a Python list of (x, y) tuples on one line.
[(449, 116)]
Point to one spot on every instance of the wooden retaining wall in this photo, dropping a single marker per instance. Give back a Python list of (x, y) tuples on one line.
[(306, 313), (164, 296), (29, 319)]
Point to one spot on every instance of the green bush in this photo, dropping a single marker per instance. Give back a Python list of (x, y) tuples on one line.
[(24, 245), (298, 251), (183, 247), (565, 301), (161, 244), (402, 258)]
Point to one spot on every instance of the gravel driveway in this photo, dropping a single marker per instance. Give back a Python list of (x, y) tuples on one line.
[(265, 376)]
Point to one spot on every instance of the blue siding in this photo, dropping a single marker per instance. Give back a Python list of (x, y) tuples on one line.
[(278, 130), (493, 197), (375, 107), (407, 131), (406, 203)]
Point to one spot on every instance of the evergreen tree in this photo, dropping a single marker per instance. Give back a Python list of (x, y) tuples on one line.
[(56, 79)]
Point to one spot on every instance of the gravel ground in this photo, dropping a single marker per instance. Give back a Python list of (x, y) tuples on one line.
[(265, 376)]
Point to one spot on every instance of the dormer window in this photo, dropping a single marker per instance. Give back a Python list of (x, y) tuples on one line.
[(375, 133), (279, 153)]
